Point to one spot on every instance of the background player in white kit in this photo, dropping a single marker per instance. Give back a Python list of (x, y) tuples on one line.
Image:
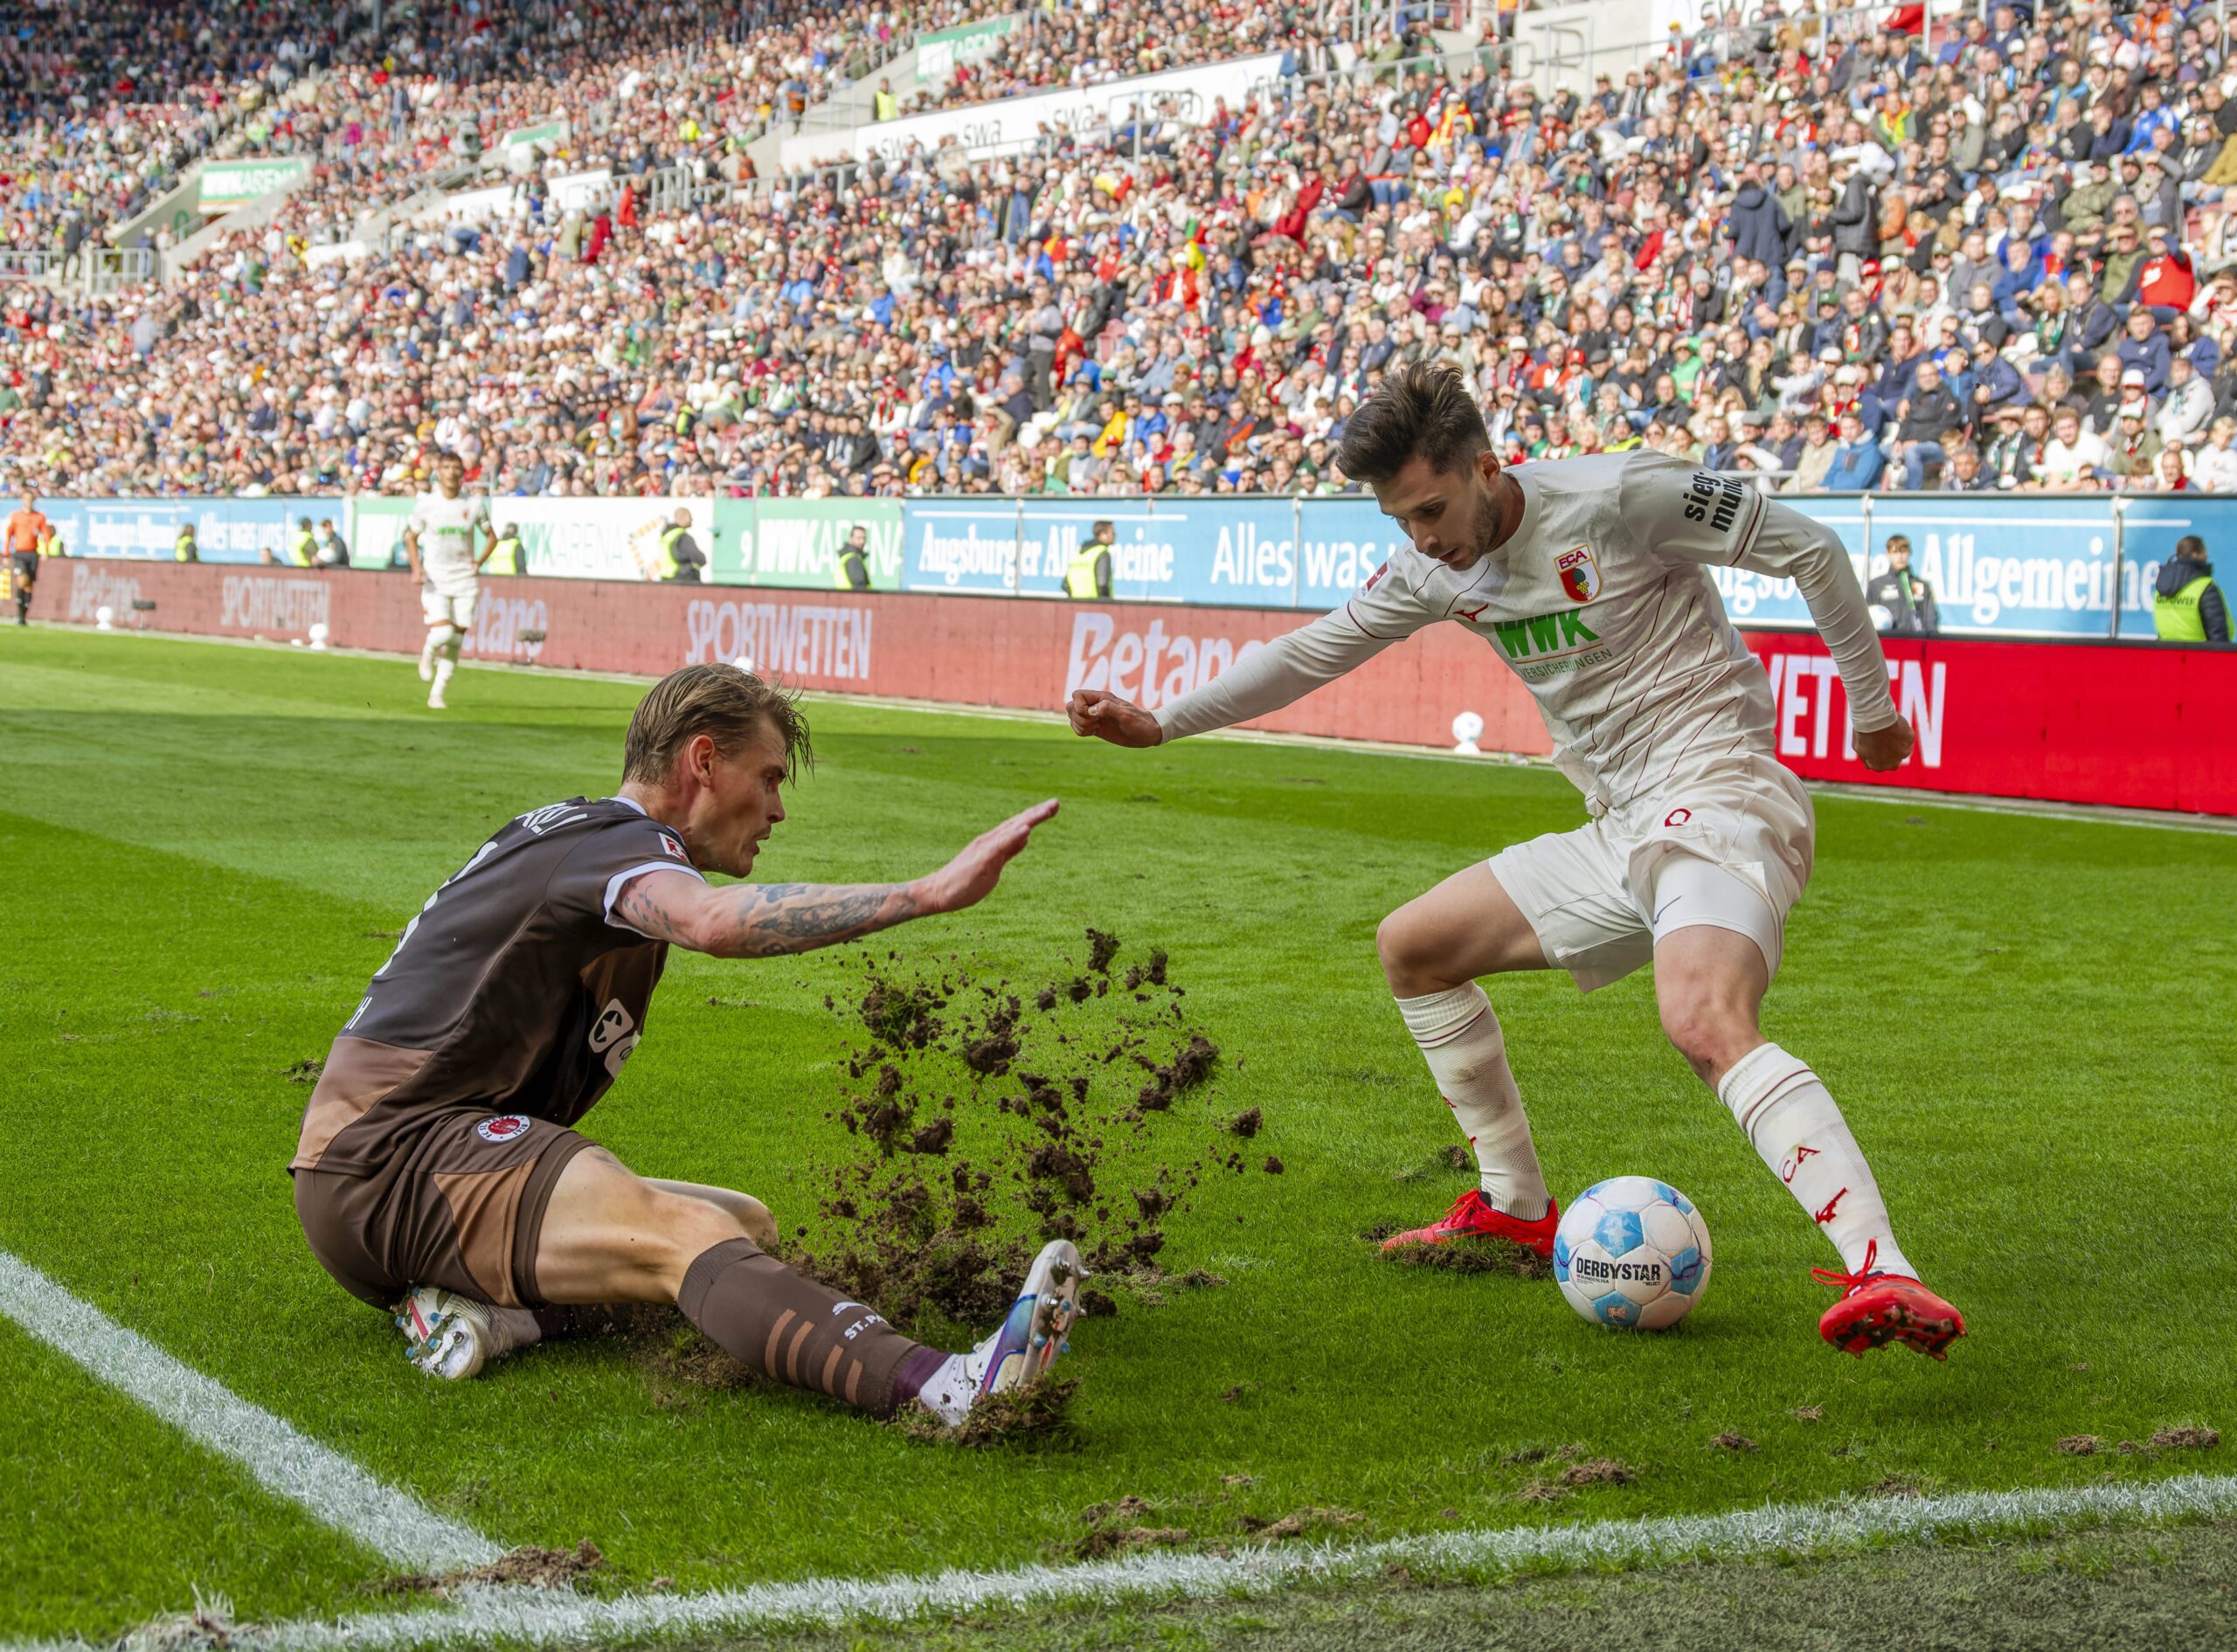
[(1588, 578), (444, 540)]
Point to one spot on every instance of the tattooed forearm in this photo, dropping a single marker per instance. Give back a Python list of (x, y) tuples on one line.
[(765, 919), (762, 920)]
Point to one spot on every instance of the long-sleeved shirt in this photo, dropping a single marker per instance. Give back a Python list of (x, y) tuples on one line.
[(1601, 602)]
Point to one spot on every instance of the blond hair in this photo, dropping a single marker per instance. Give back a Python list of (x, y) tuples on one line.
[(728, 705)]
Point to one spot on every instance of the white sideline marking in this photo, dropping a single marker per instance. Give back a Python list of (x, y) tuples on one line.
[(330, 1487), (532, 1616)]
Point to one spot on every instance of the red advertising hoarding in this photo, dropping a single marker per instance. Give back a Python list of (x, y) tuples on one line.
[(2145, 726)]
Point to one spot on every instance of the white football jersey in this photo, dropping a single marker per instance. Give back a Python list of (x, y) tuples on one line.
[(448, 544), (1602, 602)]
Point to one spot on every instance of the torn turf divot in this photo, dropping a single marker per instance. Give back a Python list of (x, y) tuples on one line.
[(546, 1617)]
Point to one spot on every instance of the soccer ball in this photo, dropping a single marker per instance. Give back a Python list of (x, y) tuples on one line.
[(1632, 1253)]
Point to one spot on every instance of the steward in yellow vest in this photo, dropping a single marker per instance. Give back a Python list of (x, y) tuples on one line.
[(2187, 606), (681, 559), (851, 570), (1088, 578)]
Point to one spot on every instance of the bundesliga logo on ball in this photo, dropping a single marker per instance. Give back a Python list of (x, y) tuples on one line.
[(1632, 1253)]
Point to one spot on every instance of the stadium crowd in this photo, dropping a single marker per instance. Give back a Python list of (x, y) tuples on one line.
[(1836, 254), (103, 103), (636, 89)]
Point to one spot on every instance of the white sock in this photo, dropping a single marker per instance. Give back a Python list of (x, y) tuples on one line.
[(511, 1328), (1460, 1040), (453, 643), (1798, 1129), (949, 1392), (434, 641), (444, 666)]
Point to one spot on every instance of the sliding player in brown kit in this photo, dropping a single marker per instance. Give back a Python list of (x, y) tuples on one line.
[(438, 1176)]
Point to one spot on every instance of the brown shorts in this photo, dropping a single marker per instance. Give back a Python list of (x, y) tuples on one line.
[(459, 1204)]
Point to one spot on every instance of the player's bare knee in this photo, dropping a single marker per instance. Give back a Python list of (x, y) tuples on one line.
[(690, 1228), (1410, 963), (1711, 1036), (753, 1216)]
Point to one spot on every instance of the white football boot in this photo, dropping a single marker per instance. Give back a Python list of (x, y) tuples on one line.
[(1020, 1349), (453, 1336)]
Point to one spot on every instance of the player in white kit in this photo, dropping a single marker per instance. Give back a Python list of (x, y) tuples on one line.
[(1589, 578), (444, 539)]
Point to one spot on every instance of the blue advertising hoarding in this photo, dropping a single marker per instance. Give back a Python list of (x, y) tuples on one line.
[(2000, 564), (1239, 553), (2154, 525), (232, 530)]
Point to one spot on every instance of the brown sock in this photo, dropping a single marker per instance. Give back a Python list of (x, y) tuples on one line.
[(790, 1329)]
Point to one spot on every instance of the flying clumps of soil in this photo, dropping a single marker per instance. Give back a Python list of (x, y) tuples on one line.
[(977, 1133)]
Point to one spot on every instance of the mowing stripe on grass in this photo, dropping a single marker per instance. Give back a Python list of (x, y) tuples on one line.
[(330, 1487), (1859, 791), (547, 1616)]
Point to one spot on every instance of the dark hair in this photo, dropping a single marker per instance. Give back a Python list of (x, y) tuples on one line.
[(2190, 548), (1423, 411), (728, 705)]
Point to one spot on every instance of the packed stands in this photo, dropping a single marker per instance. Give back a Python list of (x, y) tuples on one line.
[(103, 104), (1830, 252)]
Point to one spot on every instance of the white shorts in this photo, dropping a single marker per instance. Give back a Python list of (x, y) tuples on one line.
[(449, 607), (1730, 848)]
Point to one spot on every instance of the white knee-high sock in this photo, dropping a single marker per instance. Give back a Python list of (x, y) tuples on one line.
[(1798, 1129), (435, 636), (1460, 1040)]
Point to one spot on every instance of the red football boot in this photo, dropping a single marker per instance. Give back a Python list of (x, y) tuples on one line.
[(1876, 1308), (1473, 1217)]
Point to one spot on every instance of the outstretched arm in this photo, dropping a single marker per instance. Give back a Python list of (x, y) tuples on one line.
[(763, 920), (1261, 679)]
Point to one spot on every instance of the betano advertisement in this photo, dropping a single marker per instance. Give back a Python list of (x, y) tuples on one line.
[(2151, 727)]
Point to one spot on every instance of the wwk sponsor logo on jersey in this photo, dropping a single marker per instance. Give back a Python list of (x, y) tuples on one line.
[(503, 1128), (1548, 645)]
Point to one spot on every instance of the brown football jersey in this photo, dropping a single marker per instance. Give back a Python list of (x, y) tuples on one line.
[(514, 989)]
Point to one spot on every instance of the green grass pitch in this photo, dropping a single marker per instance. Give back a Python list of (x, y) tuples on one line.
[(204, 844)]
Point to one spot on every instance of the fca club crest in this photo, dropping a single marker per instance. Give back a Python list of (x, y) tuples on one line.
[(1580, 577)]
